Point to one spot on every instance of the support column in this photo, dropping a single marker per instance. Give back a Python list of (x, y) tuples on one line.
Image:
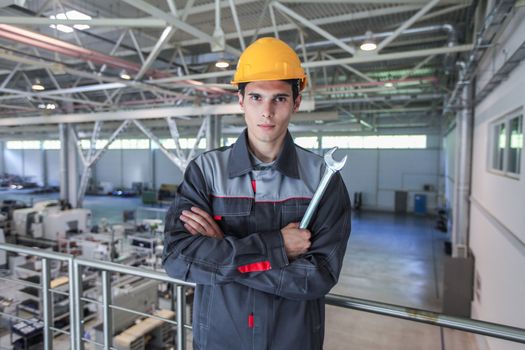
[(459, 269), (2, 161), (64, 176), (43, 155), (461, 211), (152, 165), (211, 140), (218, 130), (72, 167)]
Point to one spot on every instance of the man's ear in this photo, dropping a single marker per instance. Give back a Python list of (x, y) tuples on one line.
[(241, 100), (297, 102)]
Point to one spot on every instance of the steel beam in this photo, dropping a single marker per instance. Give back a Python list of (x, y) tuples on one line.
[(174, 132), (304, 21), (147, 22), (337, 62), (237, 24), (350, 69), (56, 67), (156, 12), (407, 24), (150, 113), (179, 162), (166, 35)]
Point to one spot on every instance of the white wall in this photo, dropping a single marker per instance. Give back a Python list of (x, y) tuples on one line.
[(53, 167), (375, 173), (165, 171), (109, 168), (497, 220), (2, 161), (379, 173), (26, 163), (449, 166)]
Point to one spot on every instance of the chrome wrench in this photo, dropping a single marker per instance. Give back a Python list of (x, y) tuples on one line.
[(332, 167)]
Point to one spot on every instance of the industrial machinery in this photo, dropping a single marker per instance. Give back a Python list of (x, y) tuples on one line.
[(133, 293), (50, 220)]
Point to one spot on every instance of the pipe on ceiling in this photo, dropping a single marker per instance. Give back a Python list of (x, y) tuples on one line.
[(421, 30)]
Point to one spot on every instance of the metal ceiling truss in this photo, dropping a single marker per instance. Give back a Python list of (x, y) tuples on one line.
[(166, 72)]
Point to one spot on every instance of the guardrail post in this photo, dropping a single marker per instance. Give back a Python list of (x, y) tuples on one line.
[(106, 298), (47, 304), (181, 306), (72, 307), (79, 312)]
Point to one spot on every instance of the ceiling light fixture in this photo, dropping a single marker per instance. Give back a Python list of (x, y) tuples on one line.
[(369, 43), (124, 75), (37, 86), (71, 15), (389, 85), (222, 63)]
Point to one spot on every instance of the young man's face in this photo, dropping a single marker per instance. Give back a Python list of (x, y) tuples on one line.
[(268, 107)]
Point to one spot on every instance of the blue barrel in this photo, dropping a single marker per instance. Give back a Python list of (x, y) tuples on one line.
[(420, 204)]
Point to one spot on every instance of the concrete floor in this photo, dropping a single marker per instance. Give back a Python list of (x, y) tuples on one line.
[(396, 260), (391, 259)]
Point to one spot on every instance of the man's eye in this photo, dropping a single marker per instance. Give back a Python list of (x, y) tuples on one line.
[(280, 99), (255, 97)]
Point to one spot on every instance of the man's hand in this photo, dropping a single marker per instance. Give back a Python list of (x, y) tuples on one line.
[(296, 240), (197, 221)]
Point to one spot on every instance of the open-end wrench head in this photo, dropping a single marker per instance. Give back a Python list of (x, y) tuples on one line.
[(331, 162)]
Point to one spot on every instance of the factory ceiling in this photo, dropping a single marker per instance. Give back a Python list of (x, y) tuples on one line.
[(78, 61)]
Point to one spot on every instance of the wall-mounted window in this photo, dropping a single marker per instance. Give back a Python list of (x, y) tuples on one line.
[(51, 144), (376, 142), (23, 144), (185, 143), (309, 142), (507, 144)]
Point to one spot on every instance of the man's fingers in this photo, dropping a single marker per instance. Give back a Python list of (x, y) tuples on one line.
[(194, 224), (197, 218), (207, 217), (190, 229)]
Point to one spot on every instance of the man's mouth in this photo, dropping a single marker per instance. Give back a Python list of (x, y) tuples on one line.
[(266, 126)]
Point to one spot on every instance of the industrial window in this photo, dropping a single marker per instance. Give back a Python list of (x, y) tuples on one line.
[(135, 143), (51, 144), (310, 142), (227, 141), (376, 142), (185, 143), (23, 144), (507, 144)]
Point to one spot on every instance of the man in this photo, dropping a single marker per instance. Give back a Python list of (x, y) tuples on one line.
[(233, 227)]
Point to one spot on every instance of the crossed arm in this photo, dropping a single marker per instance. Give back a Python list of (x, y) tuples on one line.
[(300, 265), (197, 221)]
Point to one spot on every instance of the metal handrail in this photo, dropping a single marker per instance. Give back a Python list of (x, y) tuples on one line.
[(513, 334), (423, 316)]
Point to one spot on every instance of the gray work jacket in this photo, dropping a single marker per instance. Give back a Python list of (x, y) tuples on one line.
[(249, 295)]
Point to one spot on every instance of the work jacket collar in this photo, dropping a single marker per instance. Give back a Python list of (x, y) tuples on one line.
[(239, 162)]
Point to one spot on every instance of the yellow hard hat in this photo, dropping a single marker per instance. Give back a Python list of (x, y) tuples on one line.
[(269, 59)]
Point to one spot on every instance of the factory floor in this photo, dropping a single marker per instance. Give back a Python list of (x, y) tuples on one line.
[(396, 259)]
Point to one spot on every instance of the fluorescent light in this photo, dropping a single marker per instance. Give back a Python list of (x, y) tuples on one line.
[(70, 15), (124, 75), (222, 63), (389, 85), (368, 44), (37, 86)]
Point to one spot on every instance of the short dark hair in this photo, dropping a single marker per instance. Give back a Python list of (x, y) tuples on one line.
[(293, 82)]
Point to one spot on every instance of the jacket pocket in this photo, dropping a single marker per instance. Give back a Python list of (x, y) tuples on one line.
[(292, 212), (233, 215)]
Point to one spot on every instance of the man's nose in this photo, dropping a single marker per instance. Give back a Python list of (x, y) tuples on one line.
[(267, 109)]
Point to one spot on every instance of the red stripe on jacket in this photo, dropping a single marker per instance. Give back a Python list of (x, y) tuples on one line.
[(255, 267)]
